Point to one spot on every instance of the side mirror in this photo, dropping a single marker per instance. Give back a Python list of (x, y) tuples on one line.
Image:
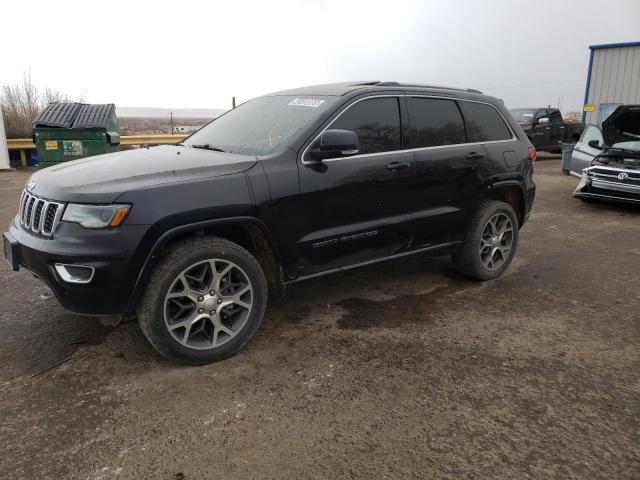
[(595, 144), (335, 144), (543, 120)]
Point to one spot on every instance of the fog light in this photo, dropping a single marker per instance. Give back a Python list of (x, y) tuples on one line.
[(75, 273)]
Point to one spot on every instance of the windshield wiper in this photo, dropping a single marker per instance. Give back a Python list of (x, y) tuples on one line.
[(206, 146)]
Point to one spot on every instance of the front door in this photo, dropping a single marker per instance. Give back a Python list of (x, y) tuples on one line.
[(357, 206), (556, 134), (542, 130), (583, 153)]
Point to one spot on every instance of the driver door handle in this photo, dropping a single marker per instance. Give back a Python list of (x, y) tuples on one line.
[(397, 165), (475, 156)]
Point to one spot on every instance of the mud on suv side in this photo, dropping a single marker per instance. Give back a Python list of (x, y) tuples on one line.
[(286, 187)]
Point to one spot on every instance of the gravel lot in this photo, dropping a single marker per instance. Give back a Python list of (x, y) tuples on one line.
[(403, 370)]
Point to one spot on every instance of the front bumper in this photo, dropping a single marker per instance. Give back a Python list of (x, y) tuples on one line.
[(109, 252), (605, 183)]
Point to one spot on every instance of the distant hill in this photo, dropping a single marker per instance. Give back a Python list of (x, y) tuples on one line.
[(164, 112)]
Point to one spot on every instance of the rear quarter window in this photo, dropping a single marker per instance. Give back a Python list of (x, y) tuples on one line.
[(484, 123)]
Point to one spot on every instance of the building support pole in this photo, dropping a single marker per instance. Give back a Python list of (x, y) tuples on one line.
[(4, 150)]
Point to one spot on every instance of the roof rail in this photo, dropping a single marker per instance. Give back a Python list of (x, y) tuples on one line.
[(442, 87)]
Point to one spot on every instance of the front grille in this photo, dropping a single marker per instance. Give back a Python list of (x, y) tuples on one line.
[(39, 215), (610, 174)]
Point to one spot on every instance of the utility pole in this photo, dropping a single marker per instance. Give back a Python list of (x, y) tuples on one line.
[(171, 117), (233, 102), (4, 150)]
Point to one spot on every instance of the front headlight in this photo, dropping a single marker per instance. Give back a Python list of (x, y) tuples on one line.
[(95, 216)]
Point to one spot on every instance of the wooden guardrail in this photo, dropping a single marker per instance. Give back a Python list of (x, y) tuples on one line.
[(25, 144)]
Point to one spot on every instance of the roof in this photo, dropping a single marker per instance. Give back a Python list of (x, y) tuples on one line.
[(57, 114), (342, 88), (94, 116), (614, 45), (75, 115)]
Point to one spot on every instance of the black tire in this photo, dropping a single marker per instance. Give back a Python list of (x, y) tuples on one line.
[(468, 258), (182, 255)]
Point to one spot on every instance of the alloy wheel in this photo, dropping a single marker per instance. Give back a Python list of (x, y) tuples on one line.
[(496, 241), (208, 303)]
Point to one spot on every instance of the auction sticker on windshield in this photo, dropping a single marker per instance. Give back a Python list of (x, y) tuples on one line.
[(306, 102)]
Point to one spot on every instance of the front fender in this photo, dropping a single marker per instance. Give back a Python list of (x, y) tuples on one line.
[(162, 238)]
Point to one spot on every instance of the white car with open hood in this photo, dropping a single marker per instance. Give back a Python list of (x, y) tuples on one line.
[(607, 160)]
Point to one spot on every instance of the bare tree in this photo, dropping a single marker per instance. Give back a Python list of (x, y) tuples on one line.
[(21, 104)]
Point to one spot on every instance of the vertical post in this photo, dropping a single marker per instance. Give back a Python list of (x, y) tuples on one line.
[(171, 117), (233, 102), (4, 150)]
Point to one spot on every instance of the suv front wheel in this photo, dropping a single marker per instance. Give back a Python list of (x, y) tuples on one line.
[(490, 241), (204, 300)]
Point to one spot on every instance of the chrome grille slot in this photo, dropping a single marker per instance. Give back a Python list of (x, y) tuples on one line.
[(29, 212), (39, 215), (49, 218)]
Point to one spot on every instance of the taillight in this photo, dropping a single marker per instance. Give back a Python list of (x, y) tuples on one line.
[(532, 153)]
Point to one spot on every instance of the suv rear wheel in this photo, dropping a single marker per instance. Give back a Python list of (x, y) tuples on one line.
[(204, 300), (490, 241)]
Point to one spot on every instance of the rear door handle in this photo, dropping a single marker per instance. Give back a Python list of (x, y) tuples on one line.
[(475, 156), (397, 165)]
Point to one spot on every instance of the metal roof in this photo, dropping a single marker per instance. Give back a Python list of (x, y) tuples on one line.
[(75, 115), (614, 45)]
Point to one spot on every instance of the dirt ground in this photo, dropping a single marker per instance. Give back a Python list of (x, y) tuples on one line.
[(403, 370)]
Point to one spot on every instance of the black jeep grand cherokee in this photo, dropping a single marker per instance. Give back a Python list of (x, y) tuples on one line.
[(286, 187)]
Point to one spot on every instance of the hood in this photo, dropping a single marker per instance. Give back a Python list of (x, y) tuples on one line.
[(103, 178), (622, 126)]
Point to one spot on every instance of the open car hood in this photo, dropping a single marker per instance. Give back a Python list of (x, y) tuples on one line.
[(623, 125)]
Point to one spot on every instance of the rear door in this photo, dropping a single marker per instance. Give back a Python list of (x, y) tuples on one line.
[(583, 153), (358, 207), (445, 166)]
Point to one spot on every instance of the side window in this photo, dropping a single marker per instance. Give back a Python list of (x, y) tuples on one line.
[(436, 122), (484, 123), (377, 123), (555, 116), (542, 114), (592, 133)]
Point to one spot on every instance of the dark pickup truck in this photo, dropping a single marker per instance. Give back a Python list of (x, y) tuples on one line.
[(546, 129)]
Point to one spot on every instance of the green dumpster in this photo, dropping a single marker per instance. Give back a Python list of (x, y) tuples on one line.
[(68, 131)]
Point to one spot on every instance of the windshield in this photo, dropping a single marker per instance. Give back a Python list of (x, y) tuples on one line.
[(523, 115), (262, 125)]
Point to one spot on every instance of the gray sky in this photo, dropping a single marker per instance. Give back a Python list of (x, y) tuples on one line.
[(185, 54)]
